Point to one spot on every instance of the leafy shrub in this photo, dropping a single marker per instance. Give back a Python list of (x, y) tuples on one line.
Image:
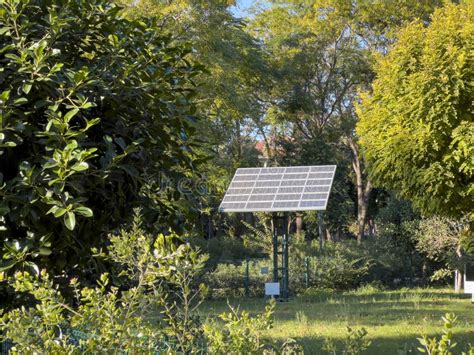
[(239, 331), (390, 259), (115, 320), (368, 289), (354, 343), (394, 258), (301, 317), (337, 267), (445, 345), (227, 249), (155, 313), (387, 260), (441, 240), (93, 107), (291, 347)]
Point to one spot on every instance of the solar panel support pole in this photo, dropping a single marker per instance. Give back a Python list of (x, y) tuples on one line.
[(275, 247), (285, 268), (280, 247)]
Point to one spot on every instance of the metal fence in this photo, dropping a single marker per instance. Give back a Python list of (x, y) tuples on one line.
[(247, 277)]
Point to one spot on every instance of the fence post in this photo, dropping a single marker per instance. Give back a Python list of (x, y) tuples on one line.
[(306, 266), (247, 277)]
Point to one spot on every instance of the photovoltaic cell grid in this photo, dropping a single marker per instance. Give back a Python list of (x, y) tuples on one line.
[(296, 188)]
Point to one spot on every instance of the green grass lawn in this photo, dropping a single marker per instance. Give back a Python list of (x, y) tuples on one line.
[(393, 319)]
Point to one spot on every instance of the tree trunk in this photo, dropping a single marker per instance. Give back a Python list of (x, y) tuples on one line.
[(371, 225), (458, 280), (288, 223), (238, 134), (459, 273), (329, 236), (363, 190), (210, 225), (220, 222), (424, 273), (238, 224), (299, 224)]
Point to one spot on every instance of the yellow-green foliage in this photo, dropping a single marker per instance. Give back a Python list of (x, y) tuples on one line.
[(161, 277), (444, 346), (154, 310), (416, 127), (240, 331)]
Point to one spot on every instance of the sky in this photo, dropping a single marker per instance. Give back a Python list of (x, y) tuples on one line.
[(243, 6), (241, 9)]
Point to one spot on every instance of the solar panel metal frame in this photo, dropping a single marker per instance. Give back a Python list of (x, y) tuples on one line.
[(279, 189)]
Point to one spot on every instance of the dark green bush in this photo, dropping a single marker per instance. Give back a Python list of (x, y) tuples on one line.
[(227, 249), (338, 267), (395, 259), (93, 108)]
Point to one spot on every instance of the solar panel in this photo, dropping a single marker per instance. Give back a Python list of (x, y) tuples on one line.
[(295, 188)]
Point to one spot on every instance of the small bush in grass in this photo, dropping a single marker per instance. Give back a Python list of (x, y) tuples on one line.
[(446, 344), (239, 331), (355, 342), (291, 347)]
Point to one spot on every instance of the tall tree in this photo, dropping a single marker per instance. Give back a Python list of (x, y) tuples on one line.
[(233, 58), (324, 50), (416, 126), (229, 94), (320, 64)]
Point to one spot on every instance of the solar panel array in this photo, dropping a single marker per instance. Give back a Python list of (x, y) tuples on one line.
[(296, 188)]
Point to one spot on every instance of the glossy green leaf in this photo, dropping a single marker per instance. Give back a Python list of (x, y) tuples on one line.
[(33, 267), (50, 164), (84, 211), (7, 264), (20, 101), (44, 251), (70, 220), (80, 166), (70, 114), (59, 212), (26, 88)]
